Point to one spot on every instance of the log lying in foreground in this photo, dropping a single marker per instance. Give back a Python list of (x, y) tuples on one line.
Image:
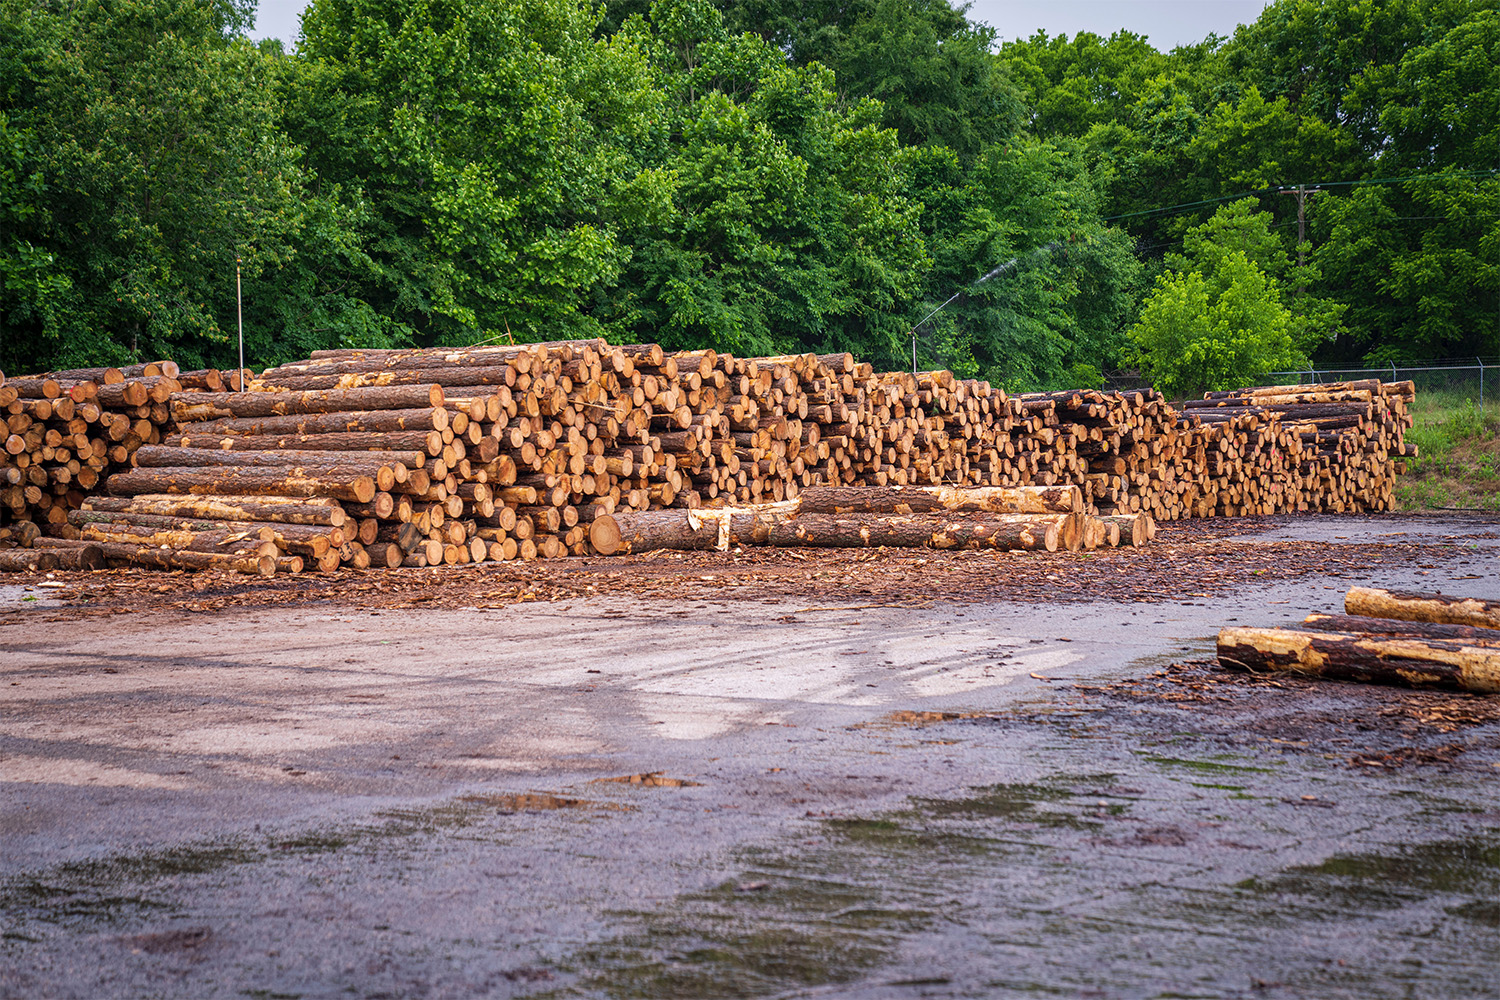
[(74, 553), (938, 531), (157, 558), (1417, 607), (27, 560), (1488, 637), (280, 510), (928, 499), (1379, 659)]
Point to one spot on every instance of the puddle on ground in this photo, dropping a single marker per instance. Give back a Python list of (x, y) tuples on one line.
[(538, 802), (650, 779)]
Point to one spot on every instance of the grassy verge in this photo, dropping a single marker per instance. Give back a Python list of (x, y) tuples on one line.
[(1459, 460)]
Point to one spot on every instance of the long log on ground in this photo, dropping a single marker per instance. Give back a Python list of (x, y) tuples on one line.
[(209, 482), (194, 406), (1344, 656), (304, 539), (246, 544), (430, 441), (346, 422), (158, 558), (74, 553), (222, 509), (939, 531), (1317, 622), (1418, 607), (27, 560), (924, 499)]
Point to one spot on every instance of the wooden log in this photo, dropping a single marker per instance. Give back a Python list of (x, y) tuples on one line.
[(1419, 607), (159, 558), (430, 441), (919, 499), (164, 456), (229, 482), (939, 531), (27, 560), (197, 406), (370, 422), (222, 509), (1469, 634), (1405, 661), (74, 554), (1135, 529), (22, 533), (445, 376)]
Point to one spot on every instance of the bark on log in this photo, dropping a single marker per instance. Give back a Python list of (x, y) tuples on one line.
[(921, 499), (27, 560), (1489, 637), (1418, 607), (164, 456), (157, 558), (446, 376), (222, 509), (196, 406), (74, 554), (1343, 656), (430, 441), (207, 482), (345, 422), (939, 531)]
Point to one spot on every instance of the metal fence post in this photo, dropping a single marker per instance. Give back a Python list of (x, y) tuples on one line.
[(1481, 385)]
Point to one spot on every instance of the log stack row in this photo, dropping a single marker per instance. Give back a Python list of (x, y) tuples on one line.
[(497, 452), (1385, 637), (66, 431)]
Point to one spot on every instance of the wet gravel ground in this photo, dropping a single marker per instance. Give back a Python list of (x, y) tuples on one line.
[(839, 774)]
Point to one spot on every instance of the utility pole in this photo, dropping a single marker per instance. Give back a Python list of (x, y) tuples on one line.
[(1301, 192)]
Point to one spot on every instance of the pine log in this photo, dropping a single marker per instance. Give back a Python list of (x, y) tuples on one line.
[(1135, 529), (27, 560), (222, 509), (939, 531), (445, 376), (430, 441), (164, 456), (74, 554), (1469, 634), (344, 422), (203, 482), (158, 558), (1343, 656), (921, 499), (196, 406), (1419, 607)]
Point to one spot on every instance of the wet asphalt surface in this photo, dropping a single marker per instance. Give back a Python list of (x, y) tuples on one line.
[(831, 799)]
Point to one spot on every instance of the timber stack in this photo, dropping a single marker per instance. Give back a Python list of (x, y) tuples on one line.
[(1384, 637), (67, 431), (518, 451)]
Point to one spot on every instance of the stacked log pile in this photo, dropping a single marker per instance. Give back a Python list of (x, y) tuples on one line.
[(1417, 640), (66, 431), (499, 452)]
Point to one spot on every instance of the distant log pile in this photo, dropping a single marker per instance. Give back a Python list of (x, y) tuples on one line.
[(502, 452), (1415, 640)]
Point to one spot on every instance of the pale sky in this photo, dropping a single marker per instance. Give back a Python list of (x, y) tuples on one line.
[(1166, 23)]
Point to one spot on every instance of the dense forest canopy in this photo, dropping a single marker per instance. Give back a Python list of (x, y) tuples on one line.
[(753, 175)]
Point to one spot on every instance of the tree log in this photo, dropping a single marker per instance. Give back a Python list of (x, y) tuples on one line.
[(446, 376), (207, 482), (196, 406), (27, 560), (74, 554), (1488, 637), (222, 509), (430, 441), (163, 456), (921, 499), (344, 422), (1342, 656), (157, 558), (1418, 607)]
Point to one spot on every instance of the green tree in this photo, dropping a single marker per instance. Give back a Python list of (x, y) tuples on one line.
[(1218, 330), (150, 160)]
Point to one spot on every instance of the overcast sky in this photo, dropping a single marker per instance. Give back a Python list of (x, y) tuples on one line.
[(1167, 23)]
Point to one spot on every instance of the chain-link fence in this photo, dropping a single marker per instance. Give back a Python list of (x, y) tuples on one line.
[(1477, 378)]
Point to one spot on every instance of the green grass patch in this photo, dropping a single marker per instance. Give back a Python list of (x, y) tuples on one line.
[(1458, 460)]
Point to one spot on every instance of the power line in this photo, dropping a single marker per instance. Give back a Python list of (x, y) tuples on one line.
[(1165, 209)]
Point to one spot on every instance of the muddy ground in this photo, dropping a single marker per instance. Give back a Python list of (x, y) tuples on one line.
[(790, 774)]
